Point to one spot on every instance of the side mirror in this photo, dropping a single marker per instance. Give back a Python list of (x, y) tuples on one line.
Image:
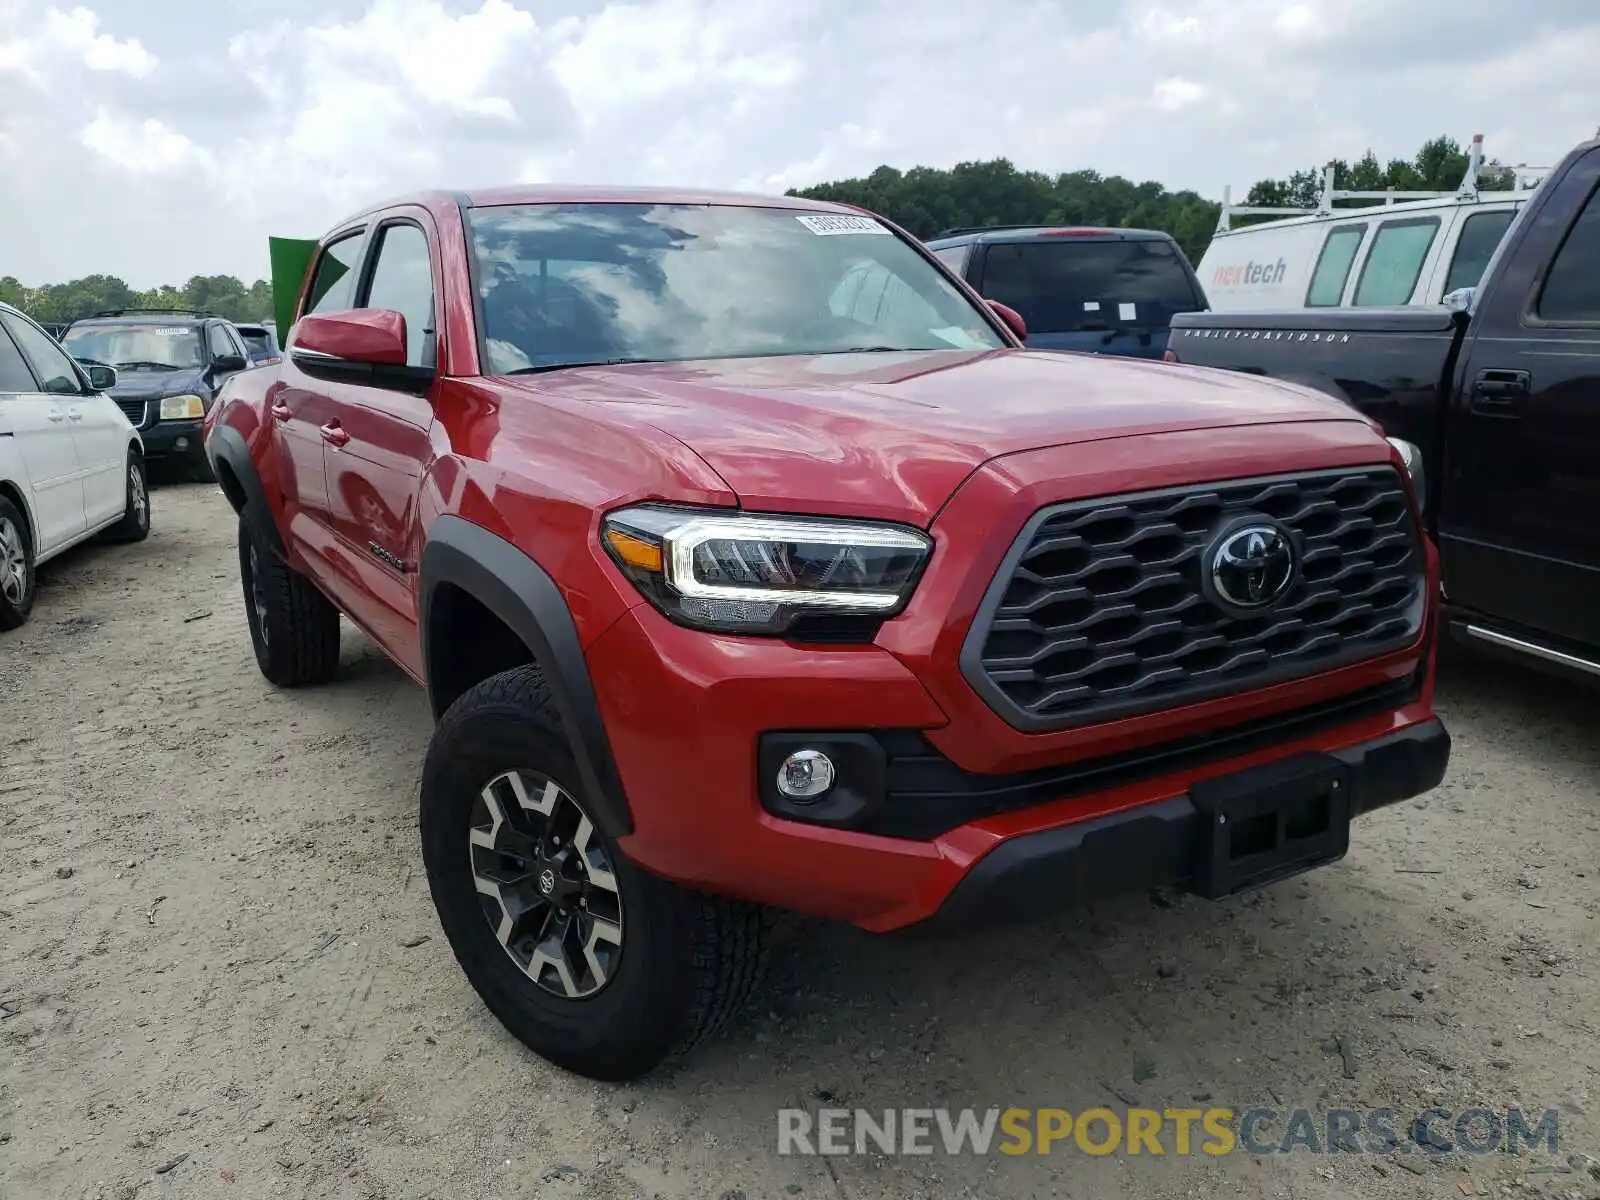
[(229, 362), (101, 377), (358, 345), (1461, 300), (1011, 317)]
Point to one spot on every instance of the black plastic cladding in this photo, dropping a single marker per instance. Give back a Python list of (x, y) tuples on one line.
[(1097, 610)]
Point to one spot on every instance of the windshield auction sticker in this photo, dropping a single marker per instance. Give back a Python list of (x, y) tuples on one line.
[(829, 224)]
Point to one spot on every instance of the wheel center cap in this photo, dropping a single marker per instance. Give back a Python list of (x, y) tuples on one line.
[(547, 882)]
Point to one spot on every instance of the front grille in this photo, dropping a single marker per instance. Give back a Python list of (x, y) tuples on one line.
[(134, 410), (1098, 609)]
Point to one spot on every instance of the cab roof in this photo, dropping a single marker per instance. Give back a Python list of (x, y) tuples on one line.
[(580, 193)]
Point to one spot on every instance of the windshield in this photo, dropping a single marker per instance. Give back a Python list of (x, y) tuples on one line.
[(564, 284), (1068, 286), (138, 347)]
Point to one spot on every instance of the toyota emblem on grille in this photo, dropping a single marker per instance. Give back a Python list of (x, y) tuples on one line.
[(1250, 566)]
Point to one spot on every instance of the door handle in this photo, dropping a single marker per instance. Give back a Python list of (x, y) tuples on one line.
[(281, 411), (57, 415), (334, 435), (1500, 393), (74, 414)]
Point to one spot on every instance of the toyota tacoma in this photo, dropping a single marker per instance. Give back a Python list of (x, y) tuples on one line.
[(732, 590)]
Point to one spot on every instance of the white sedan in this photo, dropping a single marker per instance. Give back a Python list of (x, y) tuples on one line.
[(71, 465)]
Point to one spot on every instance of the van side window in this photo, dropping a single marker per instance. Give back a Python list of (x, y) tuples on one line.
[(1571, 292), (1333, 266), (1389, 275), (1480, 234)]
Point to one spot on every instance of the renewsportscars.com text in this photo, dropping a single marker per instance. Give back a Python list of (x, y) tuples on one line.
[(1178, 1131)]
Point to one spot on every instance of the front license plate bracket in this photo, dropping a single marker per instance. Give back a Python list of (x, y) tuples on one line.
[(1264, 824)]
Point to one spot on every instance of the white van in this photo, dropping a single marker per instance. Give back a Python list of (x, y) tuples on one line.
[(1416, 251)]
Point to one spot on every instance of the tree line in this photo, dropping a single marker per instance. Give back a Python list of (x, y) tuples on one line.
[(928, 200), (59, 303), (923, 200)]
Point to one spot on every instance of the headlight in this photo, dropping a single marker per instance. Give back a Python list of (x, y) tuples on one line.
[(748, 573), (1412, 455), (180, 408)]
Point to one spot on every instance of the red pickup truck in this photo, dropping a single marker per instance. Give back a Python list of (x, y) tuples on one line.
[(748, 562)]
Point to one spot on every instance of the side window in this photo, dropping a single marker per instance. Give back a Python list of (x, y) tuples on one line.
[(402, 279), (217, 337), (1389, 275), (50, 362), (14, 373), (1333, 266), (333, 285), (954, 257), (1571, 290), (1480, 234)]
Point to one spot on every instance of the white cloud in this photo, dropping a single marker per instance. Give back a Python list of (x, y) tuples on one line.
[(72, 37), (1173, 94), (155, 140), (140, 146)]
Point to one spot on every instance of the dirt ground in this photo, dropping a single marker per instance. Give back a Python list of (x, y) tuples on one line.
[(217, 949)]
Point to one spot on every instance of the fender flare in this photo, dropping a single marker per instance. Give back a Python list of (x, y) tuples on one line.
[(227, 445), (521, 593)]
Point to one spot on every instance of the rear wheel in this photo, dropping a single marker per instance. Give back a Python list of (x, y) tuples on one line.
[(17, 582), (592, 963), (294, 628)]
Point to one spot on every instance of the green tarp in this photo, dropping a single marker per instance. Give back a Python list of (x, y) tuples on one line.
[(290, 258)]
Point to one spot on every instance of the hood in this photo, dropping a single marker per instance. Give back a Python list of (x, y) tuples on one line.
[(893, 435), (152, 385)]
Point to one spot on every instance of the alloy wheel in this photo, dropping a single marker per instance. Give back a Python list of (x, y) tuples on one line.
[(138, 497), (546, 884), (13, 563)]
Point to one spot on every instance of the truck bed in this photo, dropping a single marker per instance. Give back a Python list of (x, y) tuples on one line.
[(1393, 364)]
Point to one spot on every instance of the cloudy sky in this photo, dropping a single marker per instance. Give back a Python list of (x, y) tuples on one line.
[(155, 139)]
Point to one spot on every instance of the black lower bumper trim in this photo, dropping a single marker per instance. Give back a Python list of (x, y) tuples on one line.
[(1172, 842), (160, 439)]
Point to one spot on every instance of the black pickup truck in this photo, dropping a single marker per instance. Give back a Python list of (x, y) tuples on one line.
[(1501, 393)]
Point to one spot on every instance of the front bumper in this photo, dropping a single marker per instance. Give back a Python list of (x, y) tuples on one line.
[(162, 439), (1168, 842), (686, 714)]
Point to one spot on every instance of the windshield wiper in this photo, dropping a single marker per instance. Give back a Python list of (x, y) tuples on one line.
[(884, 350), (540, 368), (148, 365)]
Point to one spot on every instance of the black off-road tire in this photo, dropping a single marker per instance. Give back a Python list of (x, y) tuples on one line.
[(135, 523), (294, 628), (14, 610), (687, 961)]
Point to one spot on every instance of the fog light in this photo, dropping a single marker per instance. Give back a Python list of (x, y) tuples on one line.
[(181, 444), (806, 775)]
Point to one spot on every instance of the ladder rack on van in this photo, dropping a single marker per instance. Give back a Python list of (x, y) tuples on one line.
[(1466, 192)]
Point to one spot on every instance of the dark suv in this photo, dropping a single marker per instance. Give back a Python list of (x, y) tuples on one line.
[(1100, 291), (170, 364)]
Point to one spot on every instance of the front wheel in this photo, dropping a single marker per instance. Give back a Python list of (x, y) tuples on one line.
[(592, 963)]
